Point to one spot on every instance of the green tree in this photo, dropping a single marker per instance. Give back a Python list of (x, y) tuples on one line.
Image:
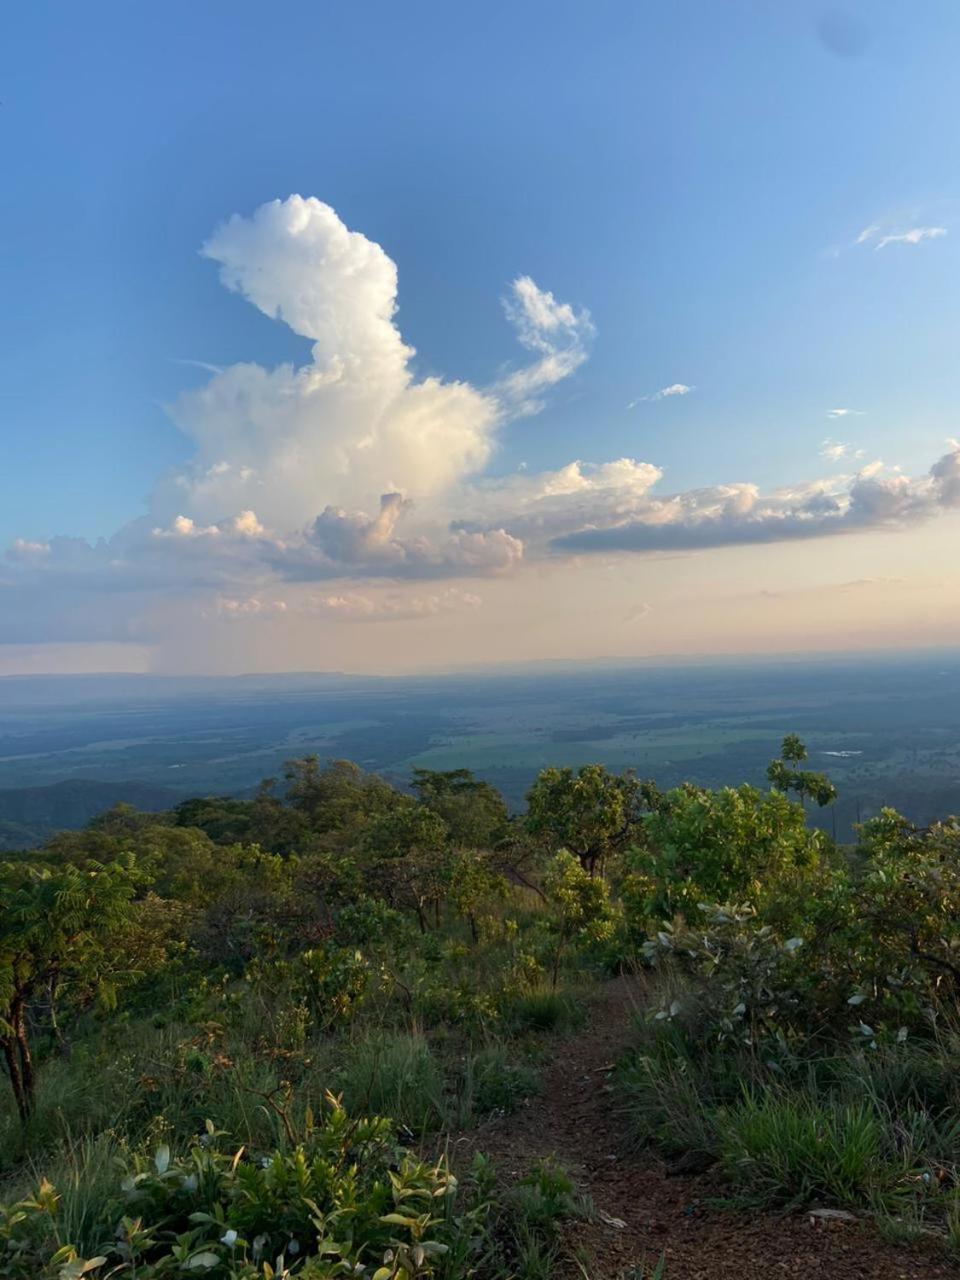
[(474, 811), (58, 925), (180, 862), (581, 906), (224, 819), (732, 844), (908, 900), (591, 813), (337, 800), (786, 775), (475, 886), (274, 825), (410, 858)]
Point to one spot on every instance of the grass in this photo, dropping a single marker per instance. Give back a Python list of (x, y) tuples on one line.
[(791, 1148), (873, 1131), (394, 1074), (543, 1011), (533, 1209), (493, 1081)]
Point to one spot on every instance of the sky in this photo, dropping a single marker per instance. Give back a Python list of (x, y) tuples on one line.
[(382, 338)]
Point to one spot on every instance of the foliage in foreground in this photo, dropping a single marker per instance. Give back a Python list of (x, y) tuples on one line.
[(807, 1038), (247, 961), (169, 979), (343, 1201)]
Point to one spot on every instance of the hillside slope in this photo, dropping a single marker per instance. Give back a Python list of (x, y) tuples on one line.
[(29, 815)]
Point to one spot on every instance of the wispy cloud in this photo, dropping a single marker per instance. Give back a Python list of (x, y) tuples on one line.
[(639, 612), (835, 450), (875, 235), (675, 389), (351, 606), (845, 413), (557, 334), (913, 236), (205, 365)]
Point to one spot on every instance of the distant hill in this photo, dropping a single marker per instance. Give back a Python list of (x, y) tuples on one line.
[(28, 815)]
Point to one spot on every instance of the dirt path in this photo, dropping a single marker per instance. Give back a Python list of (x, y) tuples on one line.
[(575, 1118)]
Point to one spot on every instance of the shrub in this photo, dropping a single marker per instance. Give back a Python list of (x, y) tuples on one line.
[(728, 844), (748, 987), (581, 912), (343, 1202)]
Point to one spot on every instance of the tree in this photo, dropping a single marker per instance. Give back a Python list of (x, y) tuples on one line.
[(224, 819), (732, 844), (581, 906), (179, 861), (411, 863), (475, 885), (57, 926), (908, 898), (337, 800), (786, 774), (274, 825), (474, 811), (591, 813)]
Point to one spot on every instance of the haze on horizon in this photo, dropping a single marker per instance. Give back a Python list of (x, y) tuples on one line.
[(379, 343)]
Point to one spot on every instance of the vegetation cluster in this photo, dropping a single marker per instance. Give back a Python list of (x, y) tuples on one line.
[(240, 1035)]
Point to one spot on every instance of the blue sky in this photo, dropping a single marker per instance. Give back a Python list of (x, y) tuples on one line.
[(695, 174)]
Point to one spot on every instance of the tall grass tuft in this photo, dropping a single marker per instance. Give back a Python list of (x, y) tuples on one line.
[(394, 1074), (792, 1148)]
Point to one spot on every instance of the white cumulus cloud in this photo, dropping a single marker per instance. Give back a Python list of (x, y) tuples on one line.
[(728, 515), (351, 423), (351, 472)]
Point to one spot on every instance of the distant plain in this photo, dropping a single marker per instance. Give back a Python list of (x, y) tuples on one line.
[(880, 727)]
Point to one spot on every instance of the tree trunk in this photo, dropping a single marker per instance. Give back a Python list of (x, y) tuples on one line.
[(561, 944), (16, 1079), (18, 1023), (62, 1043)]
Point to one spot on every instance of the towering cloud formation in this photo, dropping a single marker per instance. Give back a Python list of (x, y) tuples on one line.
[(349, 470), (352, 423)]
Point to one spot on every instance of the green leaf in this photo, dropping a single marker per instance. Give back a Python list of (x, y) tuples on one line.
[(80, 1267)]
